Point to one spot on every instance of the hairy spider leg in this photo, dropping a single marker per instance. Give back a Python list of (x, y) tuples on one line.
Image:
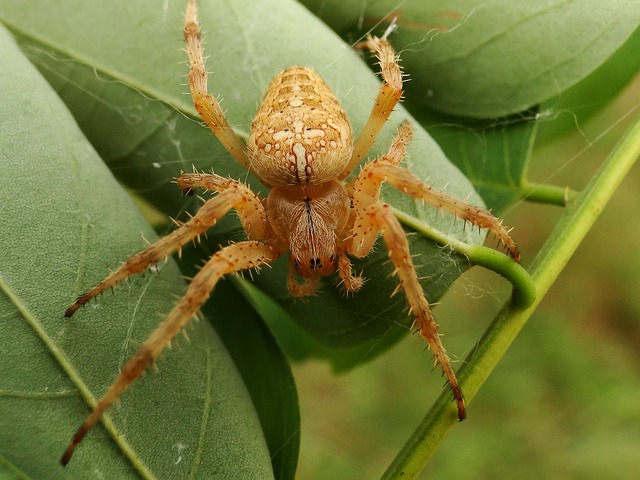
[(389, 95), (408, 183), (351, 283), (251, 210), (232, 258), (386, 169), (379, 218), (236, 195), (240, 256), (206, 105), (373, 217)]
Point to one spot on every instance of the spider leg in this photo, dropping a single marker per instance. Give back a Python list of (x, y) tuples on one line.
[(372, 217), (206, 105), (388, 96), (297, 288), (251, 210), (369, 222), (352, 283), (233, 258), (236, 195), (366, 187)]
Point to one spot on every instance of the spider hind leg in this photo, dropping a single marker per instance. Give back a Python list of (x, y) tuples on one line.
[(373, 217), (379, 218), (233, 258)]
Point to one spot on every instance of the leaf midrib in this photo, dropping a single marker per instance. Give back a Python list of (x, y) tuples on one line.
[(85, 392)]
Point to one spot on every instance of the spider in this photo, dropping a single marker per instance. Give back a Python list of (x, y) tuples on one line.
[(301, 147)]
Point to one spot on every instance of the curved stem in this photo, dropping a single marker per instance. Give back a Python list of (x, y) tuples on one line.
[(553, 256), (523, 287)]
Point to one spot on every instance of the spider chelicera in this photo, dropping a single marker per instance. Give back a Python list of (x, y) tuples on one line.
[(301, 146)]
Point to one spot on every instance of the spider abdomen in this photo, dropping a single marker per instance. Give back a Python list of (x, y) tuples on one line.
[(300, 133)]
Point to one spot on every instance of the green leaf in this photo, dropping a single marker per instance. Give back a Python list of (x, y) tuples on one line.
[(300, 345), (65, 223), (501, 58), (570, 110), (493, 154), (264, 370), (479, 59), (126, 88)]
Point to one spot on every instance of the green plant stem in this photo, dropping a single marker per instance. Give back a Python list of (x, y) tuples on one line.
[(549, 194), (523, 287), (553, 256)]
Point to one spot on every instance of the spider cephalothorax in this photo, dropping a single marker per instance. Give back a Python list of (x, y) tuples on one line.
[(301, 147)]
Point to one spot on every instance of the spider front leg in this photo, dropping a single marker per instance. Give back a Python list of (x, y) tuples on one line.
[(366, 188), (388, 96), (372, 217), (250, 209), (206, 105), (233, 258)]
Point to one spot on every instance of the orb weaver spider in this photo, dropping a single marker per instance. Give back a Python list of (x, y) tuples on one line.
[(302, 148)]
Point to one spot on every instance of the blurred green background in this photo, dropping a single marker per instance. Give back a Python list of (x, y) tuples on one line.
[(564, 403)]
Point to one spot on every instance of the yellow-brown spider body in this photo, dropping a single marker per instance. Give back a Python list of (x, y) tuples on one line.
[(300, 134), (300, 142), (301, 147)]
